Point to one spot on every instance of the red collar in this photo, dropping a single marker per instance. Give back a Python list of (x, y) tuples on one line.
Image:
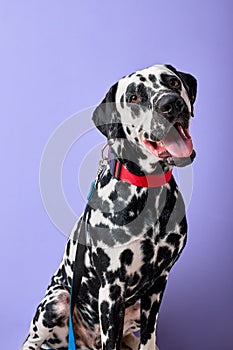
[(122, 173)]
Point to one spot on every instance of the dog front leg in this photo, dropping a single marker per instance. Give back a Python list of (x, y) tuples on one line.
[(150, 304), (111, 315), (52, 313)]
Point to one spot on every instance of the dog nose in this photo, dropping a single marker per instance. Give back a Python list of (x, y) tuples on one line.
[(171, 105)]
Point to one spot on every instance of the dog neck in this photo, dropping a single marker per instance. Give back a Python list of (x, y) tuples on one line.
[(135, 160)]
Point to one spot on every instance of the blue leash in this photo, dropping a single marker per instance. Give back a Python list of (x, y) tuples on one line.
[(71, 340)]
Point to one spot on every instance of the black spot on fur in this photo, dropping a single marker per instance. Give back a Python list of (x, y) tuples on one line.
[(122, 101), (142, 78), (146, 303), (104, 308), (115, 292), (151, 319), (143, 93), (147, 249), (173, 239), (152, 78), (68, 248), (110, 276), (126, 257), (150, 232), (101, 260), (148, 269), (113, 196), (139, 190), (105, 180), (164, 253), (36, 317), (131, 90), (128, 130)]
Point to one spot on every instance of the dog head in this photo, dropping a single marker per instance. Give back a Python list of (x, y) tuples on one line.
[(146, 117)]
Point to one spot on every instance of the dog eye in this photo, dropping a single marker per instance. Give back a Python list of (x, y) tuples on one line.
[(134, 99), (174, 83)]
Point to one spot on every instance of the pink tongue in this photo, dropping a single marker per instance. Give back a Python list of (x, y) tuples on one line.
[(177, 144)]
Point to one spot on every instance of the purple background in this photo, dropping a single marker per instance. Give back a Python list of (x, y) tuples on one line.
[(58, 58)]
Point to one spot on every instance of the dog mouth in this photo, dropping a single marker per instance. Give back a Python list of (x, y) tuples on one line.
[(176, 143)]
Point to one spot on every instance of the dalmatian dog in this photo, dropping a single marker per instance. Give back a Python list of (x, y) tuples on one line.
[(133, 228)]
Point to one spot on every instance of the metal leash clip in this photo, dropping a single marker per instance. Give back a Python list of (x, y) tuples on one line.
[(102, 166), (103, 161)]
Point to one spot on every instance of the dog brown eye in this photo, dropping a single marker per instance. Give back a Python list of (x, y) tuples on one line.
[(134, 99), (174, 83)]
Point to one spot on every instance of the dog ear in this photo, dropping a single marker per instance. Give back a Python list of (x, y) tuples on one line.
[(106, 117), (189, 82)]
